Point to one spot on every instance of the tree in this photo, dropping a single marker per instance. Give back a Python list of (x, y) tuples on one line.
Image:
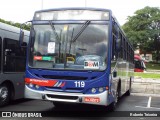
[(26, 27), (143, 30)]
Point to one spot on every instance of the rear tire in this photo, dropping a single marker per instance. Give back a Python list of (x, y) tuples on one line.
[(4, 95)]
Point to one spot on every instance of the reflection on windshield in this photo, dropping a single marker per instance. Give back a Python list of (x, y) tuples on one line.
[(70, 46)]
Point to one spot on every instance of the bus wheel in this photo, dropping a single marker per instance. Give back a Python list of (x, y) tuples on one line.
[(113, 105), (4, 95), (129, 91)]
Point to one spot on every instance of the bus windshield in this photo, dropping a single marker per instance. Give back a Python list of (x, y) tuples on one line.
[(69, 46)]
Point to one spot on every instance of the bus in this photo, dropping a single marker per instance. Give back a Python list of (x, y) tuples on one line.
[(12, 63), (78, 55), (139, 64)]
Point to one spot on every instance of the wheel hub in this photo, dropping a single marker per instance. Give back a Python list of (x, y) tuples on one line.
[(3, 93)]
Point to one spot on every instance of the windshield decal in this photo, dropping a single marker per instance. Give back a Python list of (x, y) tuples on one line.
[(47, 58), (91, 64), (37, 57), (51, 47)]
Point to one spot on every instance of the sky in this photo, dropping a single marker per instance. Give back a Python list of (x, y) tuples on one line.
[(23, 10)]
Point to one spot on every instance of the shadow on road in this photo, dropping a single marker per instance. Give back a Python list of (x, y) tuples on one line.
[(82, 110), (76, 111), (15, 102)]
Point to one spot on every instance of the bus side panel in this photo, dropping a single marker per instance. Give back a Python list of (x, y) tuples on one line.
[(17, 80)]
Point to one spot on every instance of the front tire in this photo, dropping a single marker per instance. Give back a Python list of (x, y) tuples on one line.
[(128, 93), (113, 105), (4, 94)]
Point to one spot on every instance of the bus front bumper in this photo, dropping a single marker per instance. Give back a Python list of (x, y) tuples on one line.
[(95, 99)]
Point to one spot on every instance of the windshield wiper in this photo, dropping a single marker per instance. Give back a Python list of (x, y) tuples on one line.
[(57, 37), (84, 26), (78, 34), (55, 32)]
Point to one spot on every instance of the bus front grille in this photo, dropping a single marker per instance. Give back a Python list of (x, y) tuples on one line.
[(62, 97), (59, 89)]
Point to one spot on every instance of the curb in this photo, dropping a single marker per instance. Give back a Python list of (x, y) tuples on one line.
[(146, 87), (146, 80), (145, 94)]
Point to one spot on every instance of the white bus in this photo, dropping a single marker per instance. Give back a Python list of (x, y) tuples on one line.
[(12, 63)]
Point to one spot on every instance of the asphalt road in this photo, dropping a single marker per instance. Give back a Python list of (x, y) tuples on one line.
[(129, 108)]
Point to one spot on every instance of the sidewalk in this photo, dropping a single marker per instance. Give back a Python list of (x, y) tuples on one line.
[(146, 86), (150, 70)]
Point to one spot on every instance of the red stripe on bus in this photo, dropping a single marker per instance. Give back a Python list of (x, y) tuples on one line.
[(41, 82), (63, 84)]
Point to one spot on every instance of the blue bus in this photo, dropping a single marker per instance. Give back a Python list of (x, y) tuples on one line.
[(78, 55), (12, 63)]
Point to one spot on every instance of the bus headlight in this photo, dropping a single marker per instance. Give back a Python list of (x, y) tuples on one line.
[(93, 90), (37, 86), (31, 85), (101, 89), (96, 90)]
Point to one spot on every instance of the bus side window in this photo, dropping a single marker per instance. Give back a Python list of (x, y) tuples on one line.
[(0, 52), (114, 38), (124, 49), (14, 56), (121, 49), (114, 52), (114, 48)]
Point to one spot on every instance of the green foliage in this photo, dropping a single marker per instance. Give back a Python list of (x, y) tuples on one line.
[(143, 29), (153, 66), (147, 75), (26, 27)]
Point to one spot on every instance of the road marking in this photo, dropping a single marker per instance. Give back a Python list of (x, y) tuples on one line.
[(149, 102), (147, 107)]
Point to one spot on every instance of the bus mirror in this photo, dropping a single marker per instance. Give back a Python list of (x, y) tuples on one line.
[(21, 37), (115, 74), (118, 45), (32, 36)]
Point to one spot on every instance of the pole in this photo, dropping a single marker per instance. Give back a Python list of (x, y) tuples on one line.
[(85, 3), (42, 4)]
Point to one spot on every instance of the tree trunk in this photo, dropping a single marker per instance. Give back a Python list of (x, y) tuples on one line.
[(157, 48), (157, 55)]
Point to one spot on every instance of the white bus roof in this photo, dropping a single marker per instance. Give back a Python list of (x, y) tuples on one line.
[(10, 28)]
